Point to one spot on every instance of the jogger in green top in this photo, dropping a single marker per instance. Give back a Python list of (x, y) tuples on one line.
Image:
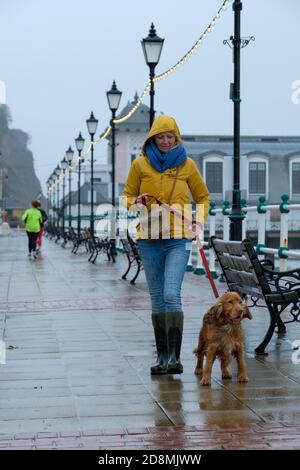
[(33, 219)]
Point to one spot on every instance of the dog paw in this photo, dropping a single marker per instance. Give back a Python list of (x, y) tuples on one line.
[(198, 371), (205, 381), (226, 375), (243, 378)]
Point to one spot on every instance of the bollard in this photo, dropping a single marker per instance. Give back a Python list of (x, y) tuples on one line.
[(226, 220), (5, 229), (244, 221), (118, 243), (189, 268), (212, 232), (199, 268), (284, 221), (261, 223), (282, 253), (271, 257), (226, 229)]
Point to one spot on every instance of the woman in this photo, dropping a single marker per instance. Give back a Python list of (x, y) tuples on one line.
[(33, 220), (164, 173)]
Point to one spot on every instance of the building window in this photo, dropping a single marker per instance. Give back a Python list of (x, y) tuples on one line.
[(214, 177), (296, 177), (257, 178)]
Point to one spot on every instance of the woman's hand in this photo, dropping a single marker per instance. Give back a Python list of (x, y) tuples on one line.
[(141, 200), (196, 228)]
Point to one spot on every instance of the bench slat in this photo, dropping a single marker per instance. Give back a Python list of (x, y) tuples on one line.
[(241, 277), (251, 291), (235, 262), (233, 248)]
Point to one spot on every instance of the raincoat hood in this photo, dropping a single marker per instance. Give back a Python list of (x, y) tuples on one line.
[(163, 124)]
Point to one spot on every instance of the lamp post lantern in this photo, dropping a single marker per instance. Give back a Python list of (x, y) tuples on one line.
[(92, 124), (79, 142), (69, 155), (64, 166), (152, 46)]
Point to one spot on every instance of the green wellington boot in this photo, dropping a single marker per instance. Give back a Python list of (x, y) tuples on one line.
[(161, 339), (174, 328)]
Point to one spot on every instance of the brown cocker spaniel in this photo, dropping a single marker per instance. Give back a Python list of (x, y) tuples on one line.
[(222, 337)]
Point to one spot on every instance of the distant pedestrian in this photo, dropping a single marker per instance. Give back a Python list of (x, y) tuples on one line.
[(40, 235), (33, 220)]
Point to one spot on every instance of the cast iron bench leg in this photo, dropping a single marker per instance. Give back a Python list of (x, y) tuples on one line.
[(92, 254), (281, 326), (136, 274), (96, 255), (128, 269), (260, 350), (279, 323)]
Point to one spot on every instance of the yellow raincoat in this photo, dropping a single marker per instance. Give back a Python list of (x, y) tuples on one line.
[(143, 178)]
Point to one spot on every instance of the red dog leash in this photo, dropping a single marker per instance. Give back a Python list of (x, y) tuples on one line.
[(198, 242), (205, 264)]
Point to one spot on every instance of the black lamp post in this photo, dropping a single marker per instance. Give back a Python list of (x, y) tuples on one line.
[(69, 155), (236, 216), (57, 173), (113, 98), (236, 43), (48, 183), (64, 166), (92, 124), (79, 142), (152, 46), (53, 177), (53, 197)]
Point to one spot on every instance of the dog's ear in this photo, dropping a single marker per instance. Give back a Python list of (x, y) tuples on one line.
[(217, 310), (247, 313), (213, 314)]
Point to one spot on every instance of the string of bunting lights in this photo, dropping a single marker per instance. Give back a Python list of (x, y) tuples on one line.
[(159, 77)]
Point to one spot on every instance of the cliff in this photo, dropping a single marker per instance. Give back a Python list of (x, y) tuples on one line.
[(19, 182)]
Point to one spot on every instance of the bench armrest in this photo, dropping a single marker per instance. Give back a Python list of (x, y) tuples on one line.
[(283, 280), (267, 262)]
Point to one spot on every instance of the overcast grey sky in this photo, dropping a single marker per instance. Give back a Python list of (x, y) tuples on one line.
[(59, 57)]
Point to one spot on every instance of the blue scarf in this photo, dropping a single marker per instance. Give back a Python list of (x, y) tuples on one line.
[(162, 161)]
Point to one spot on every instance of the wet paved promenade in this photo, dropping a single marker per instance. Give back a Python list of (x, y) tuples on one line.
[(79, 348)]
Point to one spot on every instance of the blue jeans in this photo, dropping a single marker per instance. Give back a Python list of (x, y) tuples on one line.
[(164, 264)]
